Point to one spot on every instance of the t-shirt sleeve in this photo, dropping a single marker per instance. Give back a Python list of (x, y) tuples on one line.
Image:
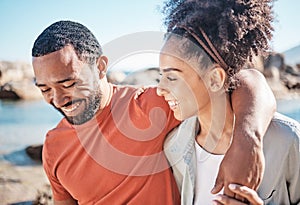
[(151, 100), (58, 191)]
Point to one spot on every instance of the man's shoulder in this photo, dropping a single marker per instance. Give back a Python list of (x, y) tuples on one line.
[(139, 94), (141, 105), (62, 127), (141, 90)]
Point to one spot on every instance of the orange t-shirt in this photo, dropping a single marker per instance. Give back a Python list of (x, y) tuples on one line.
[(117, 157)]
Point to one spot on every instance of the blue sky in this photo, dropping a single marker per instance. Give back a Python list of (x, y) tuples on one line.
[(22, 21)]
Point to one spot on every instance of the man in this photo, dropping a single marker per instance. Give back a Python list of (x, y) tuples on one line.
[(109, 147)]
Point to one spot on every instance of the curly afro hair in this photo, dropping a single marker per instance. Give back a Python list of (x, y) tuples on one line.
[(63, 33), (238, 29)]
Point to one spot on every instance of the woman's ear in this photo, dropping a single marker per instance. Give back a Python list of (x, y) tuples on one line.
[(216, 79), (102, 66)]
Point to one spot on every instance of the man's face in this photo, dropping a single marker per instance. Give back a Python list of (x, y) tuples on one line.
[(69, 84)]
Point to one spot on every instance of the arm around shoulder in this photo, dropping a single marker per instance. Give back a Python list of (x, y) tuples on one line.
[(254, 105)]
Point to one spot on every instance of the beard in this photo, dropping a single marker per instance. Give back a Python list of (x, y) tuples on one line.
[(92, 105)]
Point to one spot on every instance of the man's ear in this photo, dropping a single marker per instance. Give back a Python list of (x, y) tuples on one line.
[(216, 79), (102, 66)]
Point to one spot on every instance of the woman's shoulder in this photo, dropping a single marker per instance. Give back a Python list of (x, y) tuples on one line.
[(283, 129), (286, 123)]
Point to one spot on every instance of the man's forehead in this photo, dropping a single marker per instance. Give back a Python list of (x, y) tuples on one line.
[(57, 66), (64, 55)]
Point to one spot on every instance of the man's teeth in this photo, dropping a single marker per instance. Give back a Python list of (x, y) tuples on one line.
[(71, 107)]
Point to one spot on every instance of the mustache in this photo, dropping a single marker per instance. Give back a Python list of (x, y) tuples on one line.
[(92, 104), (68, 103)]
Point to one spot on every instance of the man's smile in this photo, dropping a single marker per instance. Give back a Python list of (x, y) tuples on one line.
[(73, 108)]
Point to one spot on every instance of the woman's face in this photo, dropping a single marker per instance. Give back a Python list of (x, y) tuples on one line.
[(182, 87)]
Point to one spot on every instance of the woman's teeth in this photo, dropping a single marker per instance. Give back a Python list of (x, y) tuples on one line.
[(172, 104)]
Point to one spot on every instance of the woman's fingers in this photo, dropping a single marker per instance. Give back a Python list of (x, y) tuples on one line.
[(247, 193), (243, 192), (226, 200)]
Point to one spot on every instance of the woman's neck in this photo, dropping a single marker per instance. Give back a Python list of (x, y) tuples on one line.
[(216, 125)]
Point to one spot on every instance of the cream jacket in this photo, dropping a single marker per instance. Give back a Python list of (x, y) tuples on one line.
[(281, 146)]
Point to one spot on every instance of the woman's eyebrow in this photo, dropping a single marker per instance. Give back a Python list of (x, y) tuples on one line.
[(170, 69)]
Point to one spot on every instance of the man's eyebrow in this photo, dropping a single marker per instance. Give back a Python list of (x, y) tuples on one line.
[(60, 81), (171, 69), (65, 80), (39, 84)]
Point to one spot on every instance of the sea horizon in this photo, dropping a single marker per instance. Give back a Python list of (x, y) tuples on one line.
[(25, 123)]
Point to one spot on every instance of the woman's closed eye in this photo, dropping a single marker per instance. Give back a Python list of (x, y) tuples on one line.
[(171, 78)]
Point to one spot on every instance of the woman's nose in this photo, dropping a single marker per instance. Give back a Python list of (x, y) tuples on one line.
[(160, 90)]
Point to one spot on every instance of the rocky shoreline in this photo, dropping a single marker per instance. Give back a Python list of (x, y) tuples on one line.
[(24, 184), (17, 78), (17, 81)]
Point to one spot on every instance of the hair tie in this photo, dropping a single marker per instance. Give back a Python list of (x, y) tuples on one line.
[(209, 48)]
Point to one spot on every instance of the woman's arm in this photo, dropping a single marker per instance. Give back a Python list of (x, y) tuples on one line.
[(254, 105)]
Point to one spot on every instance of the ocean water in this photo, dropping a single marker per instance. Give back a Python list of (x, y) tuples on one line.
[(290, 108), (25, 123)]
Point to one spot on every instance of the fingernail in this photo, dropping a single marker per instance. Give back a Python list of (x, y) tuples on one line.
[(214, 203), (232, 186), (218, 197)]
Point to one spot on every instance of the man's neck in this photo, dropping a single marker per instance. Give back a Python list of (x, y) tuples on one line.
[(107, 91)]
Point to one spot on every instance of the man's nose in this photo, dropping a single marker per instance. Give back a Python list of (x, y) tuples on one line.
[(60, 98)]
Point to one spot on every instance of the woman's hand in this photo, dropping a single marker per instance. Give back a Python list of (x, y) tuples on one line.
[(243, 192)]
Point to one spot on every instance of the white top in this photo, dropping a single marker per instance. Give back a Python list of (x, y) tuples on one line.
[(206, 174), (281, 146)]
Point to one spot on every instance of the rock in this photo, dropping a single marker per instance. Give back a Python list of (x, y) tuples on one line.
[(274, 60), (44, 196), (148, 76), (22, 184), (292, 70), (17, 81), (8, 94), (272, 72), (116, 77), (35, 152), (283, 79)]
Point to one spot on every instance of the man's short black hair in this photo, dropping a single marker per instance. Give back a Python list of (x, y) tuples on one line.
[(63, 33)]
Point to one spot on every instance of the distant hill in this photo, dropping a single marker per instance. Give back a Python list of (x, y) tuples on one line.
[(292, 56)]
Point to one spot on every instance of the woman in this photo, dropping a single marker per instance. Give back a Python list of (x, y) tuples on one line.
[(208, 44)]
